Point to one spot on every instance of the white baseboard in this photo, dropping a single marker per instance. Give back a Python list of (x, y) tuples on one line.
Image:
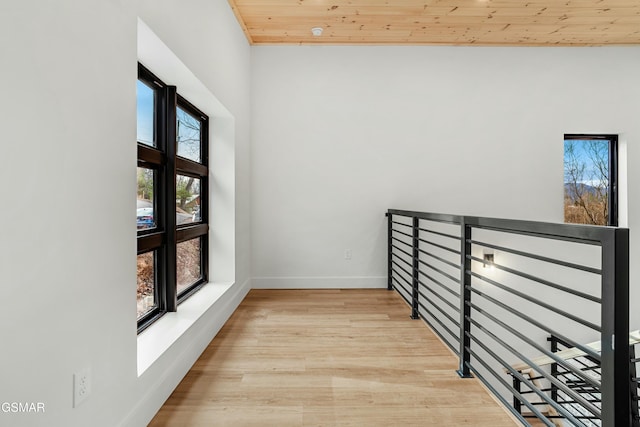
[(163, 385), (318, 282)]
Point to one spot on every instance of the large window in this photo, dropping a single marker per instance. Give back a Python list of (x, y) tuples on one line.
[(590, 179), (172, 214)]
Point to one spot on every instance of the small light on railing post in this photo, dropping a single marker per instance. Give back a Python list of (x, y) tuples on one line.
[(488, 259)]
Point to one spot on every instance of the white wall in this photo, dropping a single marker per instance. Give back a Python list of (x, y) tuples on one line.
[(67, 245), (340, 134)]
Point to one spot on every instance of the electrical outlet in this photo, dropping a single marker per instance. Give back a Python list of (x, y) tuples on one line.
[(81, 386), (347, 254)]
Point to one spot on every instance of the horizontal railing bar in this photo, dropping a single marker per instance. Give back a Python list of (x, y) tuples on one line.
[(402, 241), (591, 234), (437, 217), (439, 233), (402, 250), (531, 320), (444, 273), (454, 251), (565, 388), (432, 314), (512, 390), (393, 261), (541, 389), (538, 302), (434, 329), (444, 313), (402, 223), (403, 297), (539, 280), (400, 286), (452, 264), (393, 230), (561, 362), (538, 257), (443, 299), (407, 290), (522, 379), (437, 282), (402, 277), (399, 258)]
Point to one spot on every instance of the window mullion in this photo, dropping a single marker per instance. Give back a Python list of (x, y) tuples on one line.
[(169, 129), (149, 242)]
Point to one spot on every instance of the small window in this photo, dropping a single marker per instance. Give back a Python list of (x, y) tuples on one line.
[(146, 114), (145, 216), (187, 199), (147, 290), (189, 130), (189, 268), (590, 179)]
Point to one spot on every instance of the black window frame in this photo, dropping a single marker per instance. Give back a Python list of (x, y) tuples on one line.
[(165, 236), (613, 170)]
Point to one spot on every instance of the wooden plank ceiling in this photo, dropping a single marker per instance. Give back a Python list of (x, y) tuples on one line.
[(441, 22)]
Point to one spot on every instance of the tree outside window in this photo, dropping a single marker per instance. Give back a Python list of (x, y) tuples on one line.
[(590, 179)]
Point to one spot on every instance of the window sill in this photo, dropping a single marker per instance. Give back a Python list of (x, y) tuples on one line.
[(157, 338)]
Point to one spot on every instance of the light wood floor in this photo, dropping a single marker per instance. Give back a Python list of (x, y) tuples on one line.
[(327, 358)]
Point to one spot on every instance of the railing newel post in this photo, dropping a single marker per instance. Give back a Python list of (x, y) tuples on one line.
[(389, 250), (416, 268), (615, 389), (465, 300)]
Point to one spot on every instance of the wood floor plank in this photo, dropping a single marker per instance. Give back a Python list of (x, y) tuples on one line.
[(327, 358)]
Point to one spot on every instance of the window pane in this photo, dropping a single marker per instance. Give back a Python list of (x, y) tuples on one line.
[(188, 136), (586, 181), (187, 199), (146, 283), (145, 217), (189, 268), (146, 114)]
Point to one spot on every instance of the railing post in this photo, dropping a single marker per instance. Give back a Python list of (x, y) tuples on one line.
[(465, 298), (517, 405), (389, 250), (554, 367), (416, 268), (615, 389)]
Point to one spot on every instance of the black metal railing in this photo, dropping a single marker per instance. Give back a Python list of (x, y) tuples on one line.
[(495, 289)]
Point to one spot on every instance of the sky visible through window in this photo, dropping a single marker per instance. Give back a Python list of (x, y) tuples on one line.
[(145, 114), (589, 155)]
